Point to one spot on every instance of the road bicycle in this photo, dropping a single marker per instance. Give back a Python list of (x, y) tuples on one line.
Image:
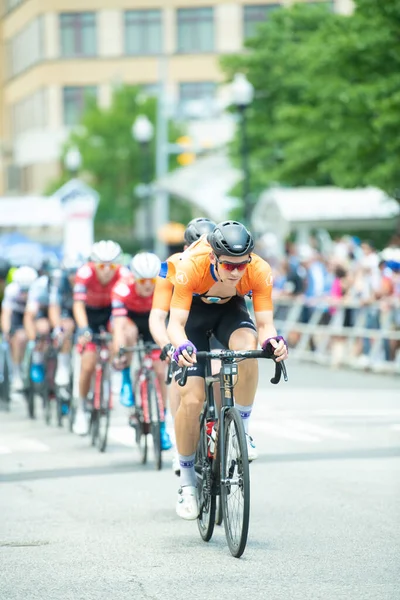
[(149, 411), (221, 463)]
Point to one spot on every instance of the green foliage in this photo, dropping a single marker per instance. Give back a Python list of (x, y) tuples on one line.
[(327, 103), (112, 161)]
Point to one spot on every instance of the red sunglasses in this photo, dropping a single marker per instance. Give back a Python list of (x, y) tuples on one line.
[(230, 266)]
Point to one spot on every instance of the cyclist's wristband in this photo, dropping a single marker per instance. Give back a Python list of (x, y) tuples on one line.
[(165, 351), (85, 332), (185, 346)]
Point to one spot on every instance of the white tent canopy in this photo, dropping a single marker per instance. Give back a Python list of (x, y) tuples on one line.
[(205, 184), (284, 209)]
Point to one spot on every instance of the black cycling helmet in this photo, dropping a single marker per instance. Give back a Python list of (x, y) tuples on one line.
[(231, 238), (5, 266), (196, 228)]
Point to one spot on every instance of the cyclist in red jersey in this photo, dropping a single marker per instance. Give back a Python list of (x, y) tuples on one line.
[(132, 298), (92, 311)]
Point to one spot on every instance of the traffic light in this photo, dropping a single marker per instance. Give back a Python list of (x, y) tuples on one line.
[(186, 157)]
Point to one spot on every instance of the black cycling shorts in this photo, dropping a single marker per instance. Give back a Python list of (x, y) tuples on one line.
[(141, 321), (221, 320), (17, 321), (98, 318)]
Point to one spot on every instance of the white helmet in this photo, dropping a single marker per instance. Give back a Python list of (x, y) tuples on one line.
[(145, 265), (25, 276), (105, 251)]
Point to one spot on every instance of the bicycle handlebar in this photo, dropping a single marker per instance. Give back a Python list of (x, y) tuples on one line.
[(147, 347), (229, 355)]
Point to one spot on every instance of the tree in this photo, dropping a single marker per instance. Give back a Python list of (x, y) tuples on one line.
[(111, 159), (327, 97)]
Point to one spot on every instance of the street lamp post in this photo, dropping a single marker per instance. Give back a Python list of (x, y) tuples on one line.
[(242, 96), (73, 161), (142, 132)]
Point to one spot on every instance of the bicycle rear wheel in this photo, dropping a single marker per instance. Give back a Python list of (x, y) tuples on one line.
[(207, 500), (104, 412), (155, 426), (235, 483)]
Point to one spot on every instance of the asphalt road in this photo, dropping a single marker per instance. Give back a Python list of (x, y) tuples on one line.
[(325, 509)]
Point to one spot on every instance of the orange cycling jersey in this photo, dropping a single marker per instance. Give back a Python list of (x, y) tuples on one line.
[(194, 274), (164, 288)]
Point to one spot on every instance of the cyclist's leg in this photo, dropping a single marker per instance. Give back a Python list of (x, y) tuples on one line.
[(42, 326), (238, 331), (64, 356), (18, 340), (192, 396), (125, 333)]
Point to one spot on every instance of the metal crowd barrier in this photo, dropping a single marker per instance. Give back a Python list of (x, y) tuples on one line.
[(341, 334)]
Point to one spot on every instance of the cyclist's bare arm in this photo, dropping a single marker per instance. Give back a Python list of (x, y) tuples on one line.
[(79, 312), (265, 325), (158, 326), (176, 332), (6, 320), (118, 333), (266, 330)]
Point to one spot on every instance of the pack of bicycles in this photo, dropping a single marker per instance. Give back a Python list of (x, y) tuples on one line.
[(181, 338)]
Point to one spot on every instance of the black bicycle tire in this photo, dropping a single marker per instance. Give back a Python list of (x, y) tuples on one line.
[(59, 408), (104, 413), (94, 425), (238, 548), (155, 424), (46, 403), (201, 463), (5, 386), (219, 518), (30, 398)]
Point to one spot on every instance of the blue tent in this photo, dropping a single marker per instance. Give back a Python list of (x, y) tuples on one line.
[(20, 250)]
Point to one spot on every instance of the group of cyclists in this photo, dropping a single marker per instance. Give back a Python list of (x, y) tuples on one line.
[(193, 299)]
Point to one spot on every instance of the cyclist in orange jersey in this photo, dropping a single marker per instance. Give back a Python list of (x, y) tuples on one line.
[(210, 285)]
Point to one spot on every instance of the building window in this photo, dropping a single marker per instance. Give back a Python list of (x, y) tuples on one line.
[(26, 48), (195, 29), (253, 15), (11, 4), (196, 99), (78, 34), (143, 32), (74, 102), (30, 113)]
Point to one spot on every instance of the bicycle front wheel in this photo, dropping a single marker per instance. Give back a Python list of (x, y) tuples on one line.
[(235, 483), (155, 425), (5, 383), (207, 500), (104, 412)]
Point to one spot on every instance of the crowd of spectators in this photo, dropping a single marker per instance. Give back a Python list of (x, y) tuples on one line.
[(345, 273)]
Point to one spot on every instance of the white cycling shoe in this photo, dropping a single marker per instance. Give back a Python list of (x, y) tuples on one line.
[(251, 448), (187, 505), (81, 423)]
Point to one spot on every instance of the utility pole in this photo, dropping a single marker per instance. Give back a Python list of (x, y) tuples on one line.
[(161, 202)]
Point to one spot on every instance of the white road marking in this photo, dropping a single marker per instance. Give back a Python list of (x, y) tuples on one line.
[(281, 431), (325, 432)]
